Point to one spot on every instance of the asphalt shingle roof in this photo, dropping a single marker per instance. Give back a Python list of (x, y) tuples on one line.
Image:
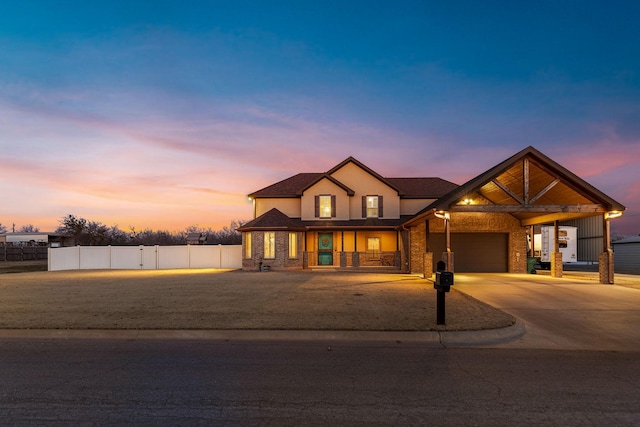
[(273, 219), (289, 187), (423, 187), (410, 187)]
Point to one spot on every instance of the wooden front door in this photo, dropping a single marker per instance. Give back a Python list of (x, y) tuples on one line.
[(325, 249)]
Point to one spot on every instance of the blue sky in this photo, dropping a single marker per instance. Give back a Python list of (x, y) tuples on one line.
[(167, 114)]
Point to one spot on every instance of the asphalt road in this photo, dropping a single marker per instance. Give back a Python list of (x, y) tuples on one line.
[(578, 364), (192, 382)]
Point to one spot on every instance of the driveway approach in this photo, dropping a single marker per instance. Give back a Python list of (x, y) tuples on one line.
[(566, 313)]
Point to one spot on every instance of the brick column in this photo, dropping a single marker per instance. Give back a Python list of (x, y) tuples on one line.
[(343, 259), (556, 264), (428, 265), (355, 260), (605, 267)]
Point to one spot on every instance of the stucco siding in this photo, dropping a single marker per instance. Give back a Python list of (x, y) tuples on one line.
[(325, 187), (364, 184), (288, 206)]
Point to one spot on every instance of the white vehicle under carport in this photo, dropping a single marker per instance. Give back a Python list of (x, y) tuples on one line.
[(567, 244)]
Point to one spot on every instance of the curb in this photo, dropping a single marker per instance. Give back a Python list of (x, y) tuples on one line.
[(485, 337), (445, 338)]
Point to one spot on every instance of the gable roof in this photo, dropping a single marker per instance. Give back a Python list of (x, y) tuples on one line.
[(320, 177), (273, 219), (531, 187), (289, 187), (364, 168), (294, 186)]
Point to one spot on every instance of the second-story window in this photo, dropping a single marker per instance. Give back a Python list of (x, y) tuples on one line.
[(325, 206), (372, 206)]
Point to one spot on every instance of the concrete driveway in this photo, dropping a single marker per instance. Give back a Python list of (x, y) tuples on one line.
[(566, 313)]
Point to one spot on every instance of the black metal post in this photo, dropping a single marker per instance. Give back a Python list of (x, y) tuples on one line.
[(440, 307)]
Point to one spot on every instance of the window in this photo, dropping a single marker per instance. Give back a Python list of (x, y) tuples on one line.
[(325, 206), (247, 245), (373, 248), (269, 244), (372, 206), (293, 245)]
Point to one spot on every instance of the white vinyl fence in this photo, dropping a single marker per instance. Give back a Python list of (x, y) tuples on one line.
[(144, 257)]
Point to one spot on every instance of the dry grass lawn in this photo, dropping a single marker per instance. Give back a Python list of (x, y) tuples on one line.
[(221, 299)]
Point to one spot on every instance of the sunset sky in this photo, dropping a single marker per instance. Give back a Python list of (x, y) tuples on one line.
[(165, 114)]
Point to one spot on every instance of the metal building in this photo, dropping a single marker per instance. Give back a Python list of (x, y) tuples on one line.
[(627, 253)]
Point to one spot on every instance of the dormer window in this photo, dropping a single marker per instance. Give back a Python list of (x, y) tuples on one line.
[(372, 206), (325, 206)]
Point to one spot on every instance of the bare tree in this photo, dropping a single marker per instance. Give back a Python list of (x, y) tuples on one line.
[(29, 228), (228, 235), (72, 226), (87, 232)]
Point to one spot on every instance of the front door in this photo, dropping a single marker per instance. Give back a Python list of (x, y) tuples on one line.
[(325, 249)]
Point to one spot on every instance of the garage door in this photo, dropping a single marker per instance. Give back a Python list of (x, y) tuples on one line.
[(473, 252)]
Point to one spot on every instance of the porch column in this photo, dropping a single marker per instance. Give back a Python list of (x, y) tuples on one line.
[(605, 260), (556, 255), (449, 254), (532, 249), (355, 258), (428, 265), (343, 255)]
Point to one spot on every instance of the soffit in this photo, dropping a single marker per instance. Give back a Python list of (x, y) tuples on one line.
[(531, 187)]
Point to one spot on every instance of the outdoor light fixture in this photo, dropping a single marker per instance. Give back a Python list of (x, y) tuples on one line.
[(612, 214), (467, 201), (442, 215)]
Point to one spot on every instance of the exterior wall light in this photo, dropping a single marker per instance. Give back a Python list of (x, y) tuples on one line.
[(612, 214), (442, 215)]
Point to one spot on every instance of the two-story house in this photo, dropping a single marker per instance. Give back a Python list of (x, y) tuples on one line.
[(351, 217)]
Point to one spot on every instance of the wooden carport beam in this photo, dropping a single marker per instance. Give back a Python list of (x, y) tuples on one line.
[(509, 192), (556, 255), (544, 219), (544, 190), (525, 181), (585, 209)]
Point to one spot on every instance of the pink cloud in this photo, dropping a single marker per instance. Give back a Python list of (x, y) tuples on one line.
[(587, 161)]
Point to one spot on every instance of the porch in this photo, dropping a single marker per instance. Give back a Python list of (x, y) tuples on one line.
[(389, 260)]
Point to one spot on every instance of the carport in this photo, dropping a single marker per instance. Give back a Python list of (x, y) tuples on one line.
[(492, 215)]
